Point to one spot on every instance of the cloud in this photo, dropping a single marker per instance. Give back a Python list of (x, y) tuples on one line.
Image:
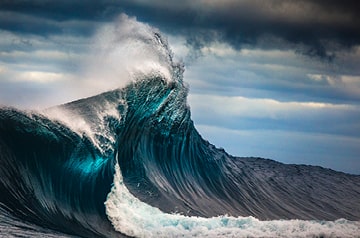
[(312, 27), (60, 11), (268, 114), (33, 24), (279, 74), (315, 28), (292, 147)]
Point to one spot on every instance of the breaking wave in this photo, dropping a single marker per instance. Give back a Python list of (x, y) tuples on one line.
[(129, 162)]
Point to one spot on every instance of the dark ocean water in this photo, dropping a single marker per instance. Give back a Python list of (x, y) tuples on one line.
[(129, 162)]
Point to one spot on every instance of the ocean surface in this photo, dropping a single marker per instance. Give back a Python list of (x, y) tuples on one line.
[(130, 163)]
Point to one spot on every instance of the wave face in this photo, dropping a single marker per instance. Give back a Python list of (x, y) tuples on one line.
[(129, 162)]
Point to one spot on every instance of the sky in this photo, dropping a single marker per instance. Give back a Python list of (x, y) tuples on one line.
[(277, 79)]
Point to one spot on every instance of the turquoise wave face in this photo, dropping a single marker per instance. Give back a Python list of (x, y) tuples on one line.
[(51, 176)]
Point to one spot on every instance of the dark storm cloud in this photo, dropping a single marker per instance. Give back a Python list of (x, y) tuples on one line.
[(43, 17), (316, 28), (58, 10), (313, 27)]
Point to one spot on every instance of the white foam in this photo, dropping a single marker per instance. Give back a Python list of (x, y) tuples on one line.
[(70, 119), (132, 217), (92, 127)]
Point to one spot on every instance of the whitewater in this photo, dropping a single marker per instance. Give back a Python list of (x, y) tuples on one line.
[(129, 162)]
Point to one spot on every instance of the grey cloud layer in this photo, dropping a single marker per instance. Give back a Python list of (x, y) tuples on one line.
[(314, 27)]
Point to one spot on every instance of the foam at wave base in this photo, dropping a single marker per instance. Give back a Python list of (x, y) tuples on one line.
[(132, 217)]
